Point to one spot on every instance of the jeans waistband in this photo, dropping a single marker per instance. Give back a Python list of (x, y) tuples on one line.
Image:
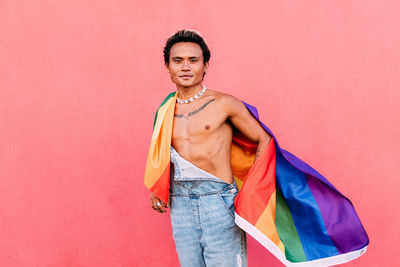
[(200, 188)]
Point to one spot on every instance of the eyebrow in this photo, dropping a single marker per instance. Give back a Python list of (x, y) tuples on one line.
[(182, 57)]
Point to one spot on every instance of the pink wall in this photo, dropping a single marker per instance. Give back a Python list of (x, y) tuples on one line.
[(80, 82)]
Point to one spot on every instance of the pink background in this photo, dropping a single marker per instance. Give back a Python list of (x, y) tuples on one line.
[(80, 82)]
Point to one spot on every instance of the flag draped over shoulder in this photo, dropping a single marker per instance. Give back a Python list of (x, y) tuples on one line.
[(286, 205)]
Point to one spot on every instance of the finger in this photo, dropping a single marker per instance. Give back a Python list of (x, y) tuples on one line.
[(155, 207), (160, 207), (154, 204), (153, 198), (163, 207)]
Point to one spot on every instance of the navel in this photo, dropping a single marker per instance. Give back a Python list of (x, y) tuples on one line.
[(207, 127)]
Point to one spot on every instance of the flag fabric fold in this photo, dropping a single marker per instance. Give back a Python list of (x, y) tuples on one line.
[(286, 205)]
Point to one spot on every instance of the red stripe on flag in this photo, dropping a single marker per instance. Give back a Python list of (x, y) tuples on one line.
[(258, 186), (161, 187)]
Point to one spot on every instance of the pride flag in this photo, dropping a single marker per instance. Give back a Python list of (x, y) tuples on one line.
[(286, 205)]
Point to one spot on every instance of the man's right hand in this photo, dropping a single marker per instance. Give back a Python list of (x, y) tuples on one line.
[(157, 204)]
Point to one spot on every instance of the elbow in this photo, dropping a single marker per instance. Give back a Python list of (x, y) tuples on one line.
[(265, 138)]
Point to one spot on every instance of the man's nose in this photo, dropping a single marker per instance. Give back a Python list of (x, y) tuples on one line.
[(186, 64)]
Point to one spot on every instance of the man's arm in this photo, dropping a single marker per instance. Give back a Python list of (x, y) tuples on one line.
[(245, 122)]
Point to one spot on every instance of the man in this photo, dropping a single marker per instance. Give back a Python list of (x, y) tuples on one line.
[(203, 143), (201, 138)]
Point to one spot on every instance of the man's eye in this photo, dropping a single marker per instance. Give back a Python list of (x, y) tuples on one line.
[(177, 60), (194, 60)]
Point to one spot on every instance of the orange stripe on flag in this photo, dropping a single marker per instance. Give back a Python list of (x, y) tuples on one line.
[(266, 223)]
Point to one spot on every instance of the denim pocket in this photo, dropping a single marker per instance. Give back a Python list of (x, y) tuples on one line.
[(227, 200)]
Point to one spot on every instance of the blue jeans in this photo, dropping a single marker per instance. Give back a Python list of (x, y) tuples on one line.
[(203, 220)]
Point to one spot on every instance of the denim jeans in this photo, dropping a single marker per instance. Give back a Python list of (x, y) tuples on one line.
[(202, 218)]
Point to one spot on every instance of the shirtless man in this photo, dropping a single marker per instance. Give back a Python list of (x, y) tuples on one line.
[(201, 141)]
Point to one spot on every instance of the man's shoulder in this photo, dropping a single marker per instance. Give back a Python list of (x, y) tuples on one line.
[(228, 103), (222, 97), (169, 96)]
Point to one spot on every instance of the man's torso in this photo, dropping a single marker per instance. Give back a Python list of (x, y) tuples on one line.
[(202, 134)]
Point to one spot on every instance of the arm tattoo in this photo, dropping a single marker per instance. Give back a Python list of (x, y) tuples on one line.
[(194, 111)]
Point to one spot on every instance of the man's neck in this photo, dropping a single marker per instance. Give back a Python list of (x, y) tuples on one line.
[(188, 92)]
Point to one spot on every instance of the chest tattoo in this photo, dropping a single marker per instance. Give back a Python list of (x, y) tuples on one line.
[(185, 117)]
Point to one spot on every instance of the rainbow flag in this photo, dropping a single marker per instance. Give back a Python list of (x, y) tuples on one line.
[(286, 205)]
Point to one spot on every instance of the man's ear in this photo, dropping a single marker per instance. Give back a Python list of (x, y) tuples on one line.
[(167, 67), (205, 67)]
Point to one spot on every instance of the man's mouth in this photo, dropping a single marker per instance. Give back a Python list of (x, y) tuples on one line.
[(185, 76)]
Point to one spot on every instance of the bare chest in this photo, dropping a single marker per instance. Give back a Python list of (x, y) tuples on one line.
[(199, 122)]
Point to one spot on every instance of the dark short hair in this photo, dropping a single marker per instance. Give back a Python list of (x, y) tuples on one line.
[(186, 36)]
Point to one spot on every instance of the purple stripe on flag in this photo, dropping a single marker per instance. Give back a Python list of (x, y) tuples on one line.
[(341, 220)]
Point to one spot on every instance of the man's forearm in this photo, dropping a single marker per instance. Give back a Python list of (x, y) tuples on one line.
[(262, 145)]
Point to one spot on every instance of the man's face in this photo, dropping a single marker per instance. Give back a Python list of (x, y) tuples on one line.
[(186, 64)]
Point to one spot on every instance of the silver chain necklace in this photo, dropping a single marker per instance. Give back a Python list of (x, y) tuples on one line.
[(192, 98)]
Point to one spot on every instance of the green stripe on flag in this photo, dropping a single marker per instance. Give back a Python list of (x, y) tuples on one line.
[(165, 101), (287, 231)]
